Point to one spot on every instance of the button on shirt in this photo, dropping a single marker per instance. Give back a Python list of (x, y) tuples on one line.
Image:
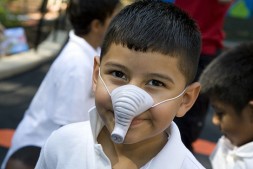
[(75, 146)]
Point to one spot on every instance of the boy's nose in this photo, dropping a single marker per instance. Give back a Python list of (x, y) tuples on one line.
[(216, 120)]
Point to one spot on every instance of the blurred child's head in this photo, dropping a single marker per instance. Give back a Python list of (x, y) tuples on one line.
[(155, 46), (24, 158), (228, 82), (85, 14)]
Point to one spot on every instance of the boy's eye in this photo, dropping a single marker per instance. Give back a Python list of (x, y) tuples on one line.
[(119, 74), (156, 83), (219, 114)]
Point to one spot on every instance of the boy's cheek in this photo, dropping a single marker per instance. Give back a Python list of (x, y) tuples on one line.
[(93, 87), (104, 109), (166, 111), (102, 99)]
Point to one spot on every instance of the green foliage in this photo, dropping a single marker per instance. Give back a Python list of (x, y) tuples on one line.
[(7, 19)]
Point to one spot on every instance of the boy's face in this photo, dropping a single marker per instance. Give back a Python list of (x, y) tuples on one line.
[(237, 128), (155, 73)]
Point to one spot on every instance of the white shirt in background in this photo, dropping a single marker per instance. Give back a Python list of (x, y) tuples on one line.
[(228, 156), (64, 96)]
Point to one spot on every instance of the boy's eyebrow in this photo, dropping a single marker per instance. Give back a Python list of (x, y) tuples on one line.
[(116, 65), (167, 78), (216, 107), (157, 75)]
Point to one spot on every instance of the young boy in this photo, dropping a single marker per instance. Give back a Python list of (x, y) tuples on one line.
[(65, 95), (228, 82), (141, 82)]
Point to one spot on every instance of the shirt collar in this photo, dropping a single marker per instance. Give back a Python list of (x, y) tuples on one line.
[(174, 148), (244, 151), (95, 122)]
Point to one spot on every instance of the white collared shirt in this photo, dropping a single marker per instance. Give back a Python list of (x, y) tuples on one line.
[(75, 146), (64, 96), (228, 156)]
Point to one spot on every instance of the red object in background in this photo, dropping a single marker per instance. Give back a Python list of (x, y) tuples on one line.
[(5, 137)]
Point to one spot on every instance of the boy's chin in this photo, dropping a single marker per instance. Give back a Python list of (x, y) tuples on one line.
[(130, 140), (231, 141)]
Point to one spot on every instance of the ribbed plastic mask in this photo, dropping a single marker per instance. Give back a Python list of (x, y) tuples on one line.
[(128, 102)]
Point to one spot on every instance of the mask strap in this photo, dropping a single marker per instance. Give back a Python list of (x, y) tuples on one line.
[(170, 98), (103, 81)]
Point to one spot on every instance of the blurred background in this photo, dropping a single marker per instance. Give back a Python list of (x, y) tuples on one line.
[(32, 33), (41, 17)]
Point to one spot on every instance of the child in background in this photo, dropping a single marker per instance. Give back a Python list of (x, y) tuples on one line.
[(228, 82), (24, 158), (65, 95), (143, 80), (210, 16)]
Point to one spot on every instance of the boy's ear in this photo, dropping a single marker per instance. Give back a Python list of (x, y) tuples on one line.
[(251, 110), (251, 103), (95, 73), (189, 98), (96, 25)]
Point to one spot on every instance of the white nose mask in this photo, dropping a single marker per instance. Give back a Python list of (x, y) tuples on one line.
[(128, 102)]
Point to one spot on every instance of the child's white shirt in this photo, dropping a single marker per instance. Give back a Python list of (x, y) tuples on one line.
[(228, 156), (75, 146)]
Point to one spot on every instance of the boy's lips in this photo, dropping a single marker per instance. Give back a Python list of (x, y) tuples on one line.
[(136, 121)]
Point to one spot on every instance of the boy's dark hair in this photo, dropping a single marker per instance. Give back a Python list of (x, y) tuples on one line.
[(229, 78), (156, 26), (28, 155), (82, 12)]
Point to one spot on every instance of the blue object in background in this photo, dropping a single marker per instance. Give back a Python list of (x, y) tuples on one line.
[(14, 41), (249, 4), (171, 1)]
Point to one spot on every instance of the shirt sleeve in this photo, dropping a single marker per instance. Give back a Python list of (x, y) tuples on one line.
[(68, 148), (43, 162), (48, 158)]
